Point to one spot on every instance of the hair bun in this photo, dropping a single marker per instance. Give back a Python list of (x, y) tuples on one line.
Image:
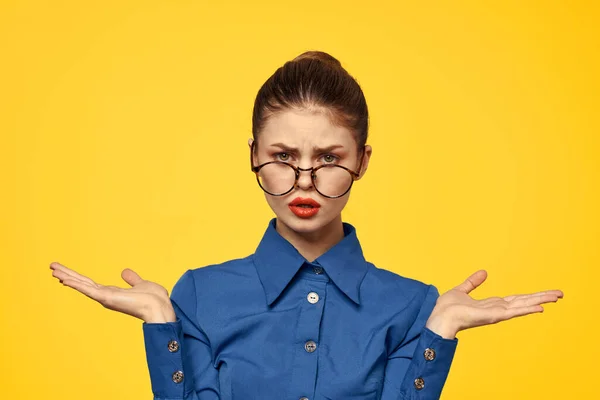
[(320, 56), (314, 80)]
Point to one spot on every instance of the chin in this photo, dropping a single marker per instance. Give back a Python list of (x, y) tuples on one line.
[(304, 225)]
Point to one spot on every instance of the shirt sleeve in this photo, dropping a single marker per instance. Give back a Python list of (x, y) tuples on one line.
[(417, 369), (178, 353)]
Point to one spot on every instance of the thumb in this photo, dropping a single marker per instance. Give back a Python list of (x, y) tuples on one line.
[(131, 277), (473, 281)]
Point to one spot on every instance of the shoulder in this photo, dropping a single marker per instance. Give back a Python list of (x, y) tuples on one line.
[(389, 279), (402, 301), (215, 274), (222, 270), (216, 294), (383, 286), (218, 283)]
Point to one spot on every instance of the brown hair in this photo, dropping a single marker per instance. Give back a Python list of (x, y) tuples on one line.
[(314, 80)]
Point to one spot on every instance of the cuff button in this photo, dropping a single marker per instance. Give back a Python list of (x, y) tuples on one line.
[(419, 383), (173, 346), (177, 376), (429, 354)]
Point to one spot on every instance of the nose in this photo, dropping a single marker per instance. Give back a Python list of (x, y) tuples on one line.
[(305, 179)]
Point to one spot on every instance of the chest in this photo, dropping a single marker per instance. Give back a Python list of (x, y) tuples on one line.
[(312, 342)]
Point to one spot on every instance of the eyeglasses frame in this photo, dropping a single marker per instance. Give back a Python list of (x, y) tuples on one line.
[(297, 170)]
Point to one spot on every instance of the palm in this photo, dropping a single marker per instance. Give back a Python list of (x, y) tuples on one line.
[(468, 312), (139, 300)]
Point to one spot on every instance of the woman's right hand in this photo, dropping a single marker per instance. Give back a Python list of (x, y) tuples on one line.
[(145, 300)]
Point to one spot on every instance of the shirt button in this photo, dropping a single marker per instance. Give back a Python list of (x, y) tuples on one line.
[(419, 383), (173, 346), (312, 297), (429, 354), (317, 270), (310, 346), (303, 398), (177, 376)]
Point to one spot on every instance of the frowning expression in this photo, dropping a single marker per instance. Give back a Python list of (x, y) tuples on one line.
[(307, 139)]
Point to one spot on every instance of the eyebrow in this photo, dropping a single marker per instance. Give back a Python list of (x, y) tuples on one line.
[(315, 149)]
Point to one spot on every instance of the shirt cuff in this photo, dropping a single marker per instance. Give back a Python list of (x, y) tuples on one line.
[(430, 366), (163, 343)]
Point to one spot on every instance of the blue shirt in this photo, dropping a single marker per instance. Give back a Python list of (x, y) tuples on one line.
[(275, 326)]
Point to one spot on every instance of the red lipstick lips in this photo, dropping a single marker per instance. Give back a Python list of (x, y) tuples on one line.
[(304, 208)]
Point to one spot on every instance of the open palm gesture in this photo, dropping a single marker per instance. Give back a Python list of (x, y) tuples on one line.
[(455, 310), (146, 300)]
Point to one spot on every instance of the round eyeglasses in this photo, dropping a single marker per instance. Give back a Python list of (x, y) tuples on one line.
[(278, 178)]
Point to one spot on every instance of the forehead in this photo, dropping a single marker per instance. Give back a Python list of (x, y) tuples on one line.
[(304, 127)]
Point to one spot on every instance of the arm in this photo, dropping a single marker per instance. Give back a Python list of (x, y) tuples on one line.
[(439, 319), (178, 353), (177, 349), (417, 369)]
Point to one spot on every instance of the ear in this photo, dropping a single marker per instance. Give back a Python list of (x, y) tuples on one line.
[(365, 160), (250, 143)]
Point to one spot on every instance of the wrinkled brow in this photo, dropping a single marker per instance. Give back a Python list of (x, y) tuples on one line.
[(315, 149)]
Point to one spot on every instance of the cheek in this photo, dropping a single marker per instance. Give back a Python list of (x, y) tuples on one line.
[(332, 205), (276, 202), (339, 204)]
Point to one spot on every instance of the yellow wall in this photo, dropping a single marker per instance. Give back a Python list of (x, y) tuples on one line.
[(485, 135)]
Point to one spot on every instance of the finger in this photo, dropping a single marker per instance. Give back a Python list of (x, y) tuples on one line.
[(533, 300), (558, 293), (473, 281), (57, 266), (521, 298), (90, 291), (516, 297), (529, 300), (131, 277), (520, 311), (61, 275)]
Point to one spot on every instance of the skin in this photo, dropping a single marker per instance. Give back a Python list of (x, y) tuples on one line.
[(305, 130)]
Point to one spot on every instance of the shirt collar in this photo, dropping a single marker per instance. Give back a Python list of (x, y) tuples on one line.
[(277, 261)]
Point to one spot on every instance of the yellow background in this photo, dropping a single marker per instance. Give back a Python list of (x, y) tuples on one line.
[(124, 128)]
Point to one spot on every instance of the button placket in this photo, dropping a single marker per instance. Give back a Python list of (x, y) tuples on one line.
[(311, 297)]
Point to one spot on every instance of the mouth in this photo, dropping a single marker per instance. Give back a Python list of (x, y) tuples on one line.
[(304, 208), (304, 203)]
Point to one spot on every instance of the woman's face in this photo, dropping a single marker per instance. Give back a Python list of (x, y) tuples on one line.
[(307, 139)]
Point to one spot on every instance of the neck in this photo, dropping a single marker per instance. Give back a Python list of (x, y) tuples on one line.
[(313, 244)]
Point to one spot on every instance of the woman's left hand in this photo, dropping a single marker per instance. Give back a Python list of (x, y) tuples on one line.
[(455, 310)]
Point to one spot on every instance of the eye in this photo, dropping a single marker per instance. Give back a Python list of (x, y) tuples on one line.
[(282, 156), (329, 158)]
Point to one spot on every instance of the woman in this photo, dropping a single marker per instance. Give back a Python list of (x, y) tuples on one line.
[(306, 316)]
